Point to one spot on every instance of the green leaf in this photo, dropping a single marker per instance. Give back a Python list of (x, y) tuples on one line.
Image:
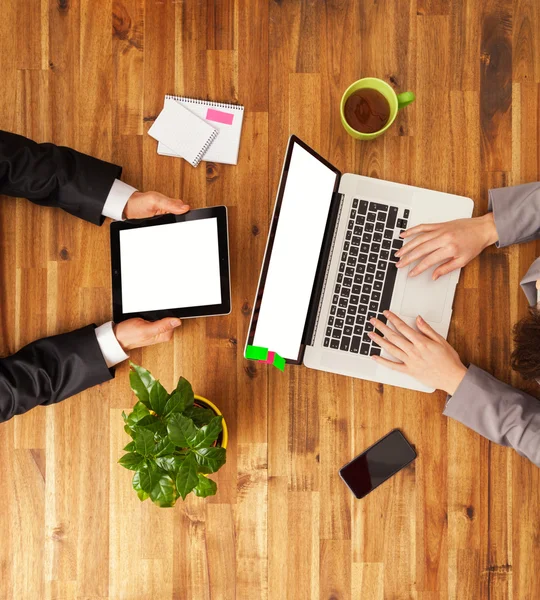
[(170, 463), (139, 412), (141, 382), (184, 389), (128, 430), (164, 447), (124, 416), (205, 487), (154, 424), (187, 477), (210, 459), (158, 398), (131, 461), (182, 431), (136, 483), (163, 493), (144, 441), (149, 475), (200, 416), (130, 447), (208, 434)]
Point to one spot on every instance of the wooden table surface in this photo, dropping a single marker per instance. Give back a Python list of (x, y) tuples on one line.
[(463, 521)]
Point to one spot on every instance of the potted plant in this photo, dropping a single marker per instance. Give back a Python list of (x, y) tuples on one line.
[(178, 438)]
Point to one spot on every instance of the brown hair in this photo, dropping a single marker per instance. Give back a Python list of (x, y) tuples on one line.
[(526, 354)]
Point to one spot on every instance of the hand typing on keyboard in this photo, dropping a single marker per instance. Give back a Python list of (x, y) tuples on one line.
[(453, 244), (424, 354)]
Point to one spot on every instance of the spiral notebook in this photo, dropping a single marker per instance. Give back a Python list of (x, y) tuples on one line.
[(183, 132), (226, 118)]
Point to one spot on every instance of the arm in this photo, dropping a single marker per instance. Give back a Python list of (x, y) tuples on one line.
[(514, 217), (497, 411), (516, 211), (51, 370), (55, 176), (493, 409)]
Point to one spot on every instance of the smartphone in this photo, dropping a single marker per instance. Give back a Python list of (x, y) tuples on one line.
[(377, 464)]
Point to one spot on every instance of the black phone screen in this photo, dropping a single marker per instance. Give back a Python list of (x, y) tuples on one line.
[(378, 463)]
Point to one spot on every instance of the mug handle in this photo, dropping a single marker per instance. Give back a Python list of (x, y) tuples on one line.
[(405, 99)]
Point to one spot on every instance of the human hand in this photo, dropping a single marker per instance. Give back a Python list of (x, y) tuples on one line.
[(142, 205), (454, 244), (136, 333), (424, 354)]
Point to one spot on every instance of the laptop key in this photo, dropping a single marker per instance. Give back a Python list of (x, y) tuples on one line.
[(346, 246), (393, 257), (364, 299), (369, 227), (358, 279), (358, 330), (328, 331), (364, 349), (388, 234), (326, 342), (339, 278), (337, 288), (360, 220), (375, 351), (381, 265), (333, 309), (370, 315), (351, 224), (334, 344), (397, 244), (381, 216), (343, 256), (347, 330), (376, 296), (392, 216), (379, 227), (406, 213), (349, 320), (348, 235), (375, 247), (366, 238), (351, 310), (345, 292), (340, 313), (401, 223), (387, 244), (354, 299), (341, 267), (336, 333), (366, 338), (388, 287), (382, 318), (366, 289), (355, 344), (373, 258), (360, 319), (354, 251), (362, 309), (377, 237), (353, 214), (343, 302), (370, 268), (373, 305), (330, 320), (360, 268), (384, 254), (357, 230), (363, 207), (339, 323), (368, 327), (355, 240), (355, 203), (349, 271), (351, 261), (371, 217), (368, 278), (356, 289), (379, 275), (364, 248), (347, 281), (345, 343), (363, 258)]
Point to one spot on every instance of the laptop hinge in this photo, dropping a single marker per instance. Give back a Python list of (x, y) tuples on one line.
[(323, 266)]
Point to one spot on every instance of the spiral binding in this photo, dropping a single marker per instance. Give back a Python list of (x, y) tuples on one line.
[(204, 102), (203, 150)]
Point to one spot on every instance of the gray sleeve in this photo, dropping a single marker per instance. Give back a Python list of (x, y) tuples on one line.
[(516, 211), (528, 283), (497, 411)]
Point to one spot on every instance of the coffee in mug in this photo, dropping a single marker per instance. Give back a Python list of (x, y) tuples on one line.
[(367, 110)]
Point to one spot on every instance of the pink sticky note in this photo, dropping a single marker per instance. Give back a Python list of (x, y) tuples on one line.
[(270, 359), (219, 116)]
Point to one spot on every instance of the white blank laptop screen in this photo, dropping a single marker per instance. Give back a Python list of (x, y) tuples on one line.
[(295, 254), (170, 266)]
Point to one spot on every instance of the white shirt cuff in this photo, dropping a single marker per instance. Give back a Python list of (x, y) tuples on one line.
[(117, 200), (109, 346)]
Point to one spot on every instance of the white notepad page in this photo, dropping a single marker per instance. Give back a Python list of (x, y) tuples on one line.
[(183, 259), (184, 132), (226, 118)]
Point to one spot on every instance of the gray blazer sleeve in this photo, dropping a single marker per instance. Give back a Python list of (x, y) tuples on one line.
[(528, 283), (516, 211), (497, 411)]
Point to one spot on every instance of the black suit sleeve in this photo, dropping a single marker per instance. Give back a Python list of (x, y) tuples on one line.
[(55, 176), (51, 370)]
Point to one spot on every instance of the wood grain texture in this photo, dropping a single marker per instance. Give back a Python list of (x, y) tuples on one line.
[(461, 522)]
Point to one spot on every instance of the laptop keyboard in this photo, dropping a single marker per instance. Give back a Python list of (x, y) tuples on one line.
[(367, 273)]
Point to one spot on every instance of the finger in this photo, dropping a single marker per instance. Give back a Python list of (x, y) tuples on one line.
[(388, 346), (434, 258), (420, 229), (171, 206), (419, 251), (392, 336), (428, 330), (446, 268), (402, 368), (163, 326), (408, 332), (418, 240)]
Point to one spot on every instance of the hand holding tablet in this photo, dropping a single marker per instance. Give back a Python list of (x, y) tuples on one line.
[(171, 266)]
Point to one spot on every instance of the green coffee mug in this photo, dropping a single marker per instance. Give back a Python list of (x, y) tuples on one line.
[(395, 101)]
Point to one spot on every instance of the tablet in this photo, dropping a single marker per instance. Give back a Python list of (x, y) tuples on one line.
[(171, 266)]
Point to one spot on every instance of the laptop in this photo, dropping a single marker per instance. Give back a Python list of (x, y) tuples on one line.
[(330, 266)]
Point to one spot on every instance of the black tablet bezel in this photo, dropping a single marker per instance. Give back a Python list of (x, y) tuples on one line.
[(218, 212), (330, 224)]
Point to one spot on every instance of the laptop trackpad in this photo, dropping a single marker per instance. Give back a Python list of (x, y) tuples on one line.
[(425, 297)]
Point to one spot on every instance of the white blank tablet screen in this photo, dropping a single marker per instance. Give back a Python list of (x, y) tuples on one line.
[(170, 266), (295, 254)]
